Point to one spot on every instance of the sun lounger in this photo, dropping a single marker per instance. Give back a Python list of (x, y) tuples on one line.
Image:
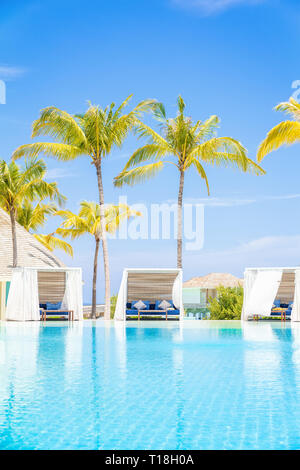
[(54, 310)]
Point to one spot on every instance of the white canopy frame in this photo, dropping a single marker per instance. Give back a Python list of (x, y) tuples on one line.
[(263, 285), (24, 296), (136, 284)]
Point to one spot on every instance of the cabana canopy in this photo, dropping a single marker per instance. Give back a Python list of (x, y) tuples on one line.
[(263, 285), (151, 285), (33, 286), (30, 251)]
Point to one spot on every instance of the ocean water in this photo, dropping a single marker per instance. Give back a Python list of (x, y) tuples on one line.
[(153, 385)]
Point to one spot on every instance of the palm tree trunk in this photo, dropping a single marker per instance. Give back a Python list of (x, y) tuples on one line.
[(104, 242), (94, 296), (179, 220), (14, 237)]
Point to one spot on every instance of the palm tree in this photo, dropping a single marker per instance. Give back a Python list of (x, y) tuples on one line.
[(189, 144), (89, 221), (23, 184), (94, 134), (34, 217), (285, 133)]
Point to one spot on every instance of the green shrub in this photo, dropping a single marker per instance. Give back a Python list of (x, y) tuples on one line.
[(113, 303), (227, 305)]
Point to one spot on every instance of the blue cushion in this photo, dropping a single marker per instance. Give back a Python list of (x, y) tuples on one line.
[(146, 302), (157, 302), (52, 306), (134, 311), (56, 313), (131, 311), (277, 303), (288, 312), (173, 312)]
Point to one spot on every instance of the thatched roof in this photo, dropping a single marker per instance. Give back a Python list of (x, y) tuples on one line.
[(213, 280), (31, 253)]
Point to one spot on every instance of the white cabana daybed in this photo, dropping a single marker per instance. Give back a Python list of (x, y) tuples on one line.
[(263, 286), (31, 287), (149, 285)]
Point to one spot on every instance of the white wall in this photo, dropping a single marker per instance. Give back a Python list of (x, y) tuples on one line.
[(2, 300)]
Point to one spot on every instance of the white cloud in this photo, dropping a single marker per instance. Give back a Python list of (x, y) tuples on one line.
[(213, 6), (261, 252), (219, 202), (8, 72), (231, 202), (56, 173)]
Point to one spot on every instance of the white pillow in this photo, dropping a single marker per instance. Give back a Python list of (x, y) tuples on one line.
[(164, 304), (140, 305)]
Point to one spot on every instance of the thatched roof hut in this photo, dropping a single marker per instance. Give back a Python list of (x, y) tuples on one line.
[(31, 253), (213, 280)]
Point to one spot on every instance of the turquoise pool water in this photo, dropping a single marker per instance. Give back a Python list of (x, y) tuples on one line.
[(204, 385)]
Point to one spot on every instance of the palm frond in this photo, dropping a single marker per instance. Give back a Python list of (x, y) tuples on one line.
[(201, 172), (120, 108), (144, 107), (146, 153), (54, 243), (180, 104), (62, 152), (145, 131), (72, 233), (291, 107), (222, 151), (254, 168), (88, 219), (138, 175), (207, 129), (285, 133), (33, 217), (59, 125), (116, 214), (159, 112), (75, 224)]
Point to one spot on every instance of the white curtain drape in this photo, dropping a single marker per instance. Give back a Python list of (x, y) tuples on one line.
[(262, 293), (120, 312), (249, 278), (73, 294), (296, 305), (177, 294), (23, 298)]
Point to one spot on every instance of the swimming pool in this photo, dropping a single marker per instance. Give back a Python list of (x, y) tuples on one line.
[(203, 385)]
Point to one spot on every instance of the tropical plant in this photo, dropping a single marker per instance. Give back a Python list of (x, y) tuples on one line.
[(94, 134), (227, 305), (51, 242), (285, 133), (89, 221), (189, 144), (34, 217), (113, 304), (18, 185)]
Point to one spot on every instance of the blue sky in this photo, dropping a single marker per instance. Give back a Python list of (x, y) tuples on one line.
[(233, 58)]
